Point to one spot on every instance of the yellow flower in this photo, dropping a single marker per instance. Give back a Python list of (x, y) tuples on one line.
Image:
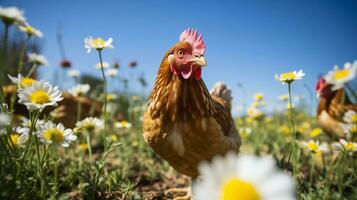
[(285, 130), (289, 77), (315, 132), (111, 97), (83, 147), (284, 97), (245, 132), (123, 124), (114, 138), (258, 96)]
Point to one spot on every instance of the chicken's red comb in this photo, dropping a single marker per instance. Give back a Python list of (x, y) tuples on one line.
[(190, 36)]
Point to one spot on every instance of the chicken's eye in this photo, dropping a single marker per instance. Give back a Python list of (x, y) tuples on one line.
[(180, 53)]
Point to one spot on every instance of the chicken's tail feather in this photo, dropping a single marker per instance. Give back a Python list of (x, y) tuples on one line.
[(221, 90)]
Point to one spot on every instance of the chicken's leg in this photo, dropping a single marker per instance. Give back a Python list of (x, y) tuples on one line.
[(186, 193)]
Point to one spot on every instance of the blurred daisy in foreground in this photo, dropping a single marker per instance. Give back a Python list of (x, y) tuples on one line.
[(20, 136), (98, 44), (79, 90), (26, 122), (111, 72), (39, 95), (105, 65), (11, 15), (347, 146), (37, 59), (289, 77), (51, 133), (123, 124), (314, 147), (30, 31), (338, 77), (243, 178), (74, 73), (90, 124), (21, 81)]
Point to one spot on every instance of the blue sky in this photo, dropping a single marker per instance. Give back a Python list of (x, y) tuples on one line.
[(247, 41)]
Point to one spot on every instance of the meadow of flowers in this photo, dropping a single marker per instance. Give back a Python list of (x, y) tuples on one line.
[(86, 142)]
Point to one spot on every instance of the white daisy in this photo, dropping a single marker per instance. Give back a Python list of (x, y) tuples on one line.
[(79, 90), (30, 31), (289, 77), (245, 177), (314, 147), (37, 59), (20, 136), (39, 95), (344, 145), (74, 73), (338, 77), (22, 82), (111, 72), (98, 44), (90, 124), (10, 15), (98, 65), (123, 124), (51, 133)]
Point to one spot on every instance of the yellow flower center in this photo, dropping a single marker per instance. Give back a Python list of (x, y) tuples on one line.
[(30, 29), (83, 147), (99, 43), (124, 123), (341, 74), (288, 76), (354, 118), (313, 146), (350, 146), (238, 189), (315, 132), (54, 134), (14, 137), (40, 97), (89, 126), (25, 82)]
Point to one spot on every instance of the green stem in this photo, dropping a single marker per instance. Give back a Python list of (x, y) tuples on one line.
[(55, 176), (40, 169), (105, 88), (89, 149), (293, 139), (3, 65), (23, 51), (33, 118), (32, 70)]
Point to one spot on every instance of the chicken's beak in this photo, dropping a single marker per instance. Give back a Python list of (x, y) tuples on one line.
[(201, 61)]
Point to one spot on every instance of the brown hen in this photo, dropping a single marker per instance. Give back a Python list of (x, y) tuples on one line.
[(331, 108), (184, 123)]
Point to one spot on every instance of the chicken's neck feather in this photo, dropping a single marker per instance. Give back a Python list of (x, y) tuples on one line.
[(174, 98)]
